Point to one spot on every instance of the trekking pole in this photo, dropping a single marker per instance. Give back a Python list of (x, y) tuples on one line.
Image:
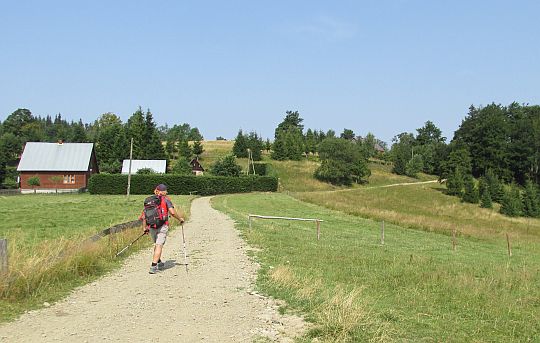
[(130, 244), (185, 252)]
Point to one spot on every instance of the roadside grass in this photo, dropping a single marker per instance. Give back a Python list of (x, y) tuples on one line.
[(47, 250), (414, 288), (427, 207)]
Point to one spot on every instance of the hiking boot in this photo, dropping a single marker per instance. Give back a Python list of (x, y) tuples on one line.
[(153, 269), (161, 265)]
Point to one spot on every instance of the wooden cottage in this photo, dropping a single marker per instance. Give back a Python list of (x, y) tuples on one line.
[(59, 166), (196, 167)]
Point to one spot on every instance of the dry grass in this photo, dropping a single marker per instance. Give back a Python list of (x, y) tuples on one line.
[(214, 150), (340, 313), (426, 207), (52, 262)]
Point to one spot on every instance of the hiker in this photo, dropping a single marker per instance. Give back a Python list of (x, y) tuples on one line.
[(155, 219)]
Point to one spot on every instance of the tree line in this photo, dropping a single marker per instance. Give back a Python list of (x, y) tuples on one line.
[(111, 135), (343, 159), (494, 156)]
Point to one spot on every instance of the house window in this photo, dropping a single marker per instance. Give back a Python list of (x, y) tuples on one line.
[(69, 179)]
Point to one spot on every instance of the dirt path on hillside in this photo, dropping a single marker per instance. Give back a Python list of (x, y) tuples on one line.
[(213, 302), (383, 186)]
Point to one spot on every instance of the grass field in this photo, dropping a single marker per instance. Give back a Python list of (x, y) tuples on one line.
[(427, 207), (45, 240), (414, 288), (214, 150)]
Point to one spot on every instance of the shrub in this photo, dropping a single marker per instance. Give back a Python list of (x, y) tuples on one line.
[(261, 168), (454, 183), (511, 204), (146, 171), (471, 192), (485, 196), (181, 167), (226, 166), (179, 184), (531, 205)]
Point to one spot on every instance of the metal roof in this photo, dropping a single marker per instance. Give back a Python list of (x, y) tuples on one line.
[(39, 156), (156, 165)]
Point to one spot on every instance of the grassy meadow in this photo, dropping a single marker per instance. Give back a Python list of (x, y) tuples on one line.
[(214, 150), (427, 207), (414, 288), (45, 240)]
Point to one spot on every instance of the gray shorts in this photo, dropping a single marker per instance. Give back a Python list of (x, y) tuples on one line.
[(159, 236)]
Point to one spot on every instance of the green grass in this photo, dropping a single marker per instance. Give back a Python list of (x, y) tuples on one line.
[(414, 288), (297, 176), (427, 207), (45, 244)]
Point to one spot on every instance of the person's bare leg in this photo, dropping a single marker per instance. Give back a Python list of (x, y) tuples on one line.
[(157, 252)]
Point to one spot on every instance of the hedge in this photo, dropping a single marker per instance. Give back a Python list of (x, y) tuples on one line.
[(179, 184), (260, 168)]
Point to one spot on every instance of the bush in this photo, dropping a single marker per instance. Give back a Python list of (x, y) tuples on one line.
[(471, 192), (454, 183), (261, 169), (511, 204), (485, 196), (226, 166), (146, 171), (179, 184), (182, 167)]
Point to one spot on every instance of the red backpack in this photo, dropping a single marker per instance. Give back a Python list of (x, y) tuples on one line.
[(153, 212)]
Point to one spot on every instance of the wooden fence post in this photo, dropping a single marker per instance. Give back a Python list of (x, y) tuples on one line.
[(318, 230), (508, 245), (454, 243), (382, 233), (3, 256)]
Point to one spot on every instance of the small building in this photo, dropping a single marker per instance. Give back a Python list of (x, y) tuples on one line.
[(196, 167), (158, 166), (60, 166)]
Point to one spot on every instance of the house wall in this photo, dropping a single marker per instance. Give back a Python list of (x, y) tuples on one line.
[(81, 180)]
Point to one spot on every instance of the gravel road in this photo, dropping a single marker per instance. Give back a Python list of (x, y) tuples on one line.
[(213, 302)]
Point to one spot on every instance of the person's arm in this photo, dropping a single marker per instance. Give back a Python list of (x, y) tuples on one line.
[(143, 219), (178, 215)]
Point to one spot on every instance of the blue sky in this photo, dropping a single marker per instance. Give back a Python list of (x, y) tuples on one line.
[(371, 66)]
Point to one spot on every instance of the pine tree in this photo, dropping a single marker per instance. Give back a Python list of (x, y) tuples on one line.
[(531, 207), (78, 134), (255, 144), (454, 183), (226, 166), (184, 151), (170, 148), (470, 194), (310, 142), (136, 130), (153, 148), (495, 186), (197, 148), (485, 196), (511, 204), (121, 144), (240, 145), (181, 167), (267, 145)]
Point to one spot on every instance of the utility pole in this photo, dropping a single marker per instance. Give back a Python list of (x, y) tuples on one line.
[(129, 171)]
